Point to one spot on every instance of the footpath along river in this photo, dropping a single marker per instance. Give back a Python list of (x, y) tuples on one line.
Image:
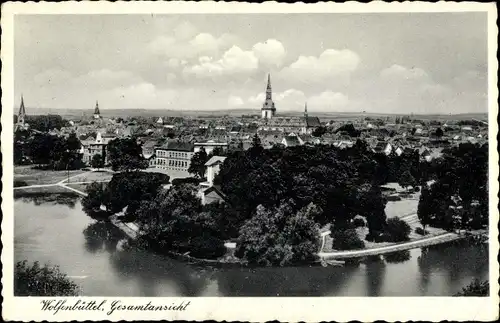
[(54, 229)]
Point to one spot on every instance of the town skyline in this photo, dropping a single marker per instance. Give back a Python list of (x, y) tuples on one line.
[(221, 63)]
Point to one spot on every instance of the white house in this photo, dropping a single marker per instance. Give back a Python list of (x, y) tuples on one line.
[(213, 168)]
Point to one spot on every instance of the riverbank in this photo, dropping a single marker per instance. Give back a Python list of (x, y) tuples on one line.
[(323, 257)]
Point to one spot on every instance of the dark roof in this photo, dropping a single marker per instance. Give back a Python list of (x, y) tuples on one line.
[(178, 146), (215, 189), (313, 122), (292, 141)]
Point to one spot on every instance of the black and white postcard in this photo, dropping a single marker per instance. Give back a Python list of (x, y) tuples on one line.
[(249, 162)]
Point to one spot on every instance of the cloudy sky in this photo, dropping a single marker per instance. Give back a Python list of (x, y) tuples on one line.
[(390, 63)]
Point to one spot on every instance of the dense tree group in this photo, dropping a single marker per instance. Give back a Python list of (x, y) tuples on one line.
[(342, 183), (126, 189), (125, 154), (45, 123), (43, 149), (175, 221), (36, 280), (458, 197), (280, 236)]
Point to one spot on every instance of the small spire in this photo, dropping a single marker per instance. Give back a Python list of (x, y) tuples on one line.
[(96, 110), (305, 110), (22, 109)]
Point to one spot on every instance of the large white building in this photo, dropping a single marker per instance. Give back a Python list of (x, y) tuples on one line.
[(174, 155)]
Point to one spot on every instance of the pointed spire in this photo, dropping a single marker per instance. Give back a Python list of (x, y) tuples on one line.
[(22, 112), (96, 110), (269, 91), (305, 110)]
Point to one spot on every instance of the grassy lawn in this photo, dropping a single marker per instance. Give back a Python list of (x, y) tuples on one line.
[(36, 176), (91, 177), (406, 209), (40, 190)]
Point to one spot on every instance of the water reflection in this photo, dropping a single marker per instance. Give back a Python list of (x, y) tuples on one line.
[(153, 270), (68, 198), (287, 281), (397, 257), (102, 235), (375, 275), (456, 261)]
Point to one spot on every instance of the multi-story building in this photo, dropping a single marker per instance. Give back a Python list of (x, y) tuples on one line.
[(95, 147), (174, 155)]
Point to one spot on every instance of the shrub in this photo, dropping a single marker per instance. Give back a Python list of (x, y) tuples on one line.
[(207, 247), (393, 198), (187, 180), (347, 240), (476, 288), (421, 231), (358, 222), (397, 230), (35, 280)]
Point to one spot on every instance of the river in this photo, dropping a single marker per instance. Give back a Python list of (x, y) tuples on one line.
[(53, 229)]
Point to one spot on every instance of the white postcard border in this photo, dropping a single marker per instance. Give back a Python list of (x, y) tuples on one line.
[(244, 308)]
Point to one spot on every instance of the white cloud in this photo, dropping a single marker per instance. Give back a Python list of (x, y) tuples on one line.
[(327, 100), (234, 61), (399, 72), (270, 52), (234, 101), (257, 99), (331, 63)]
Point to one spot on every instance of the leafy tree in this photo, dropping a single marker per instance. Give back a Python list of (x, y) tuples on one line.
[(96, 196), (349, 130), (462, 174), (197, 166), (34, 280), (256, 142), (45, 123), (397, 230), (279, 236), (131, 188), (97, 161), (218, 151), (174, 221), (439, 133), (319, 131), (407, 180), (346, 240), (476, 288), (125, 154)]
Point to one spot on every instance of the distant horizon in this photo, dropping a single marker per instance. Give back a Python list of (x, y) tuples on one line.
[(255, 112)]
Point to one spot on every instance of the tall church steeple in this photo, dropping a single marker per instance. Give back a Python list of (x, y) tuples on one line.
[(21, 116), (305, 111), (97, 113), (268, 108), (269, 91)]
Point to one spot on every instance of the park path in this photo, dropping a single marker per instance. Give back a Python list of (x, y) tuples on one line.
[(424, 242)]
